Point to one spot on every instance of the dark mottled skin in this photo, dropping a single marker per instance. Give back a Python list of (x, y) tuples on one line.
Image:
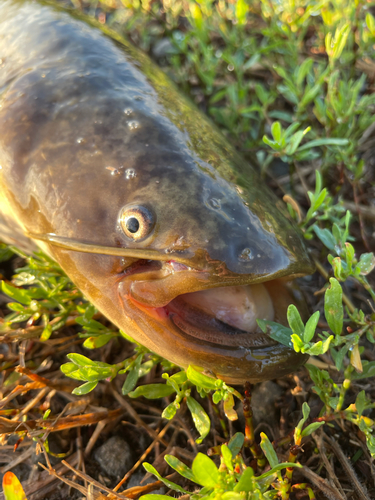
[(81, 112)]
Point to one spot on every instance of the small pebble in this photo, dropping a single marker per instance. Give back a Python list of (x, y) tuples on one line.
[(263, 403), (114, 457)]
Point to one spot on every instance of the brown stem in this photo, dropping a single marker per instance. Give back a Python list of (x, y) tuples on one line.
[(249, 429)]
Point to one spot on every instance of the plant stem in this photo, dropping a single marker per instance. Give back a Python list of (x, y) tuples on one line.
[(249, 429), (293, 452), (221, 420)]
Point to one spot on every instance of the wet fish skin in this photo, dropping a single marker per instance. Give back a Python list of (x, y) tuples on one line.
[(88, 125)]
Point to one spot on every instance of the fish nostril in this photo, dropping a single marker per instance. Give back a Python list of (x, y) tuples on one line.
[(214, 203), (246, 255)]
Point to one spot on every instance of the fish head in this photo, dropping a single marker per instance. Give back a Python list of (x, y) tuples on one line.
[(199, 260)]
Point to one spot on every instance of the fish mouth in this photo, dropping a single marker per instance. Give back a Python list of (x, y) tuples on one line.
[(214, 312)]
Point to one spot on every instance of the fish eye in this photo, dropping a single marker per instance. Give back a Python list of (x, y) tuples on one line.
[(137, 222)]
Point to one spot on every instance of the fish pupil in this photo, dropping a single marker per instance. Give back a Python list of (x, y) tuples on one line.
[(132, 225)]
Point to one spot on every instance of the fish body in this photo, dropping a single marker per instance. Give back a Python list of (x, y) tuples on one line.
[(140, 199)]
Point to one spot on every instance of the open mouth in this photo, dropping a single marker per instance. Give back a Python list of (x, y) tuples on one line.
[(225, 316), (211, 312)]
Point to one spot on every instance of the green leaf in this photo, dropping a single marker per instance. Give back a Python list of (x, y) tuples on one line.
[(246, 482), (92, 374), (370, 22), (200, 418), (339, 267), (305, 412), (152, 391), (333, 308), (294, 142), (47, 332), (201, 380), (276, 131), (85, 388), (15, 306), (303, 70), (311, 428), (360, 403), (310, 326), (172, 486), (18, 294), (170, 411), (292, 129), (319, 347), (227, 457), (180, 467), (80, 360), (298, 343), (326, 237), (268, 450), (229, 410), (205, 471), (366, 263), (242, 9), (301, 423), (295, 321), (314, 350), (326, 141), (270, 143), (132, 376), (277, 332), (235, 443), (217, 397), (12, 488), (98, 341), (368, 371), (278, 467), (179, 377), (71, 370), (310, 95), (318, 201), (338, 357)]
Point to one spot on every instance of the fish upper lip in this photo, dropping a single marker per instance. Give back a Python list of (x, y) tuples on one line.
[(151, 278)]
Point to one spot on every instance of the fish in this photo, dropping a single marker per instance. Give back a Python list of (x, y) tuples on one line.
[(163, 226)]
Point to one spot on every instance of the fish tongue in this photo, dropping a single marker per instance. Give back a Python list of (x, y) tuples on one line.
[(159, 292), (238, 306)]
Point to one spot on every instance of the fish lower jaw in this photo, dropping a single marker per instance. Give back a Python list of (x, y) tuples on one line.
[(228, 352)]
